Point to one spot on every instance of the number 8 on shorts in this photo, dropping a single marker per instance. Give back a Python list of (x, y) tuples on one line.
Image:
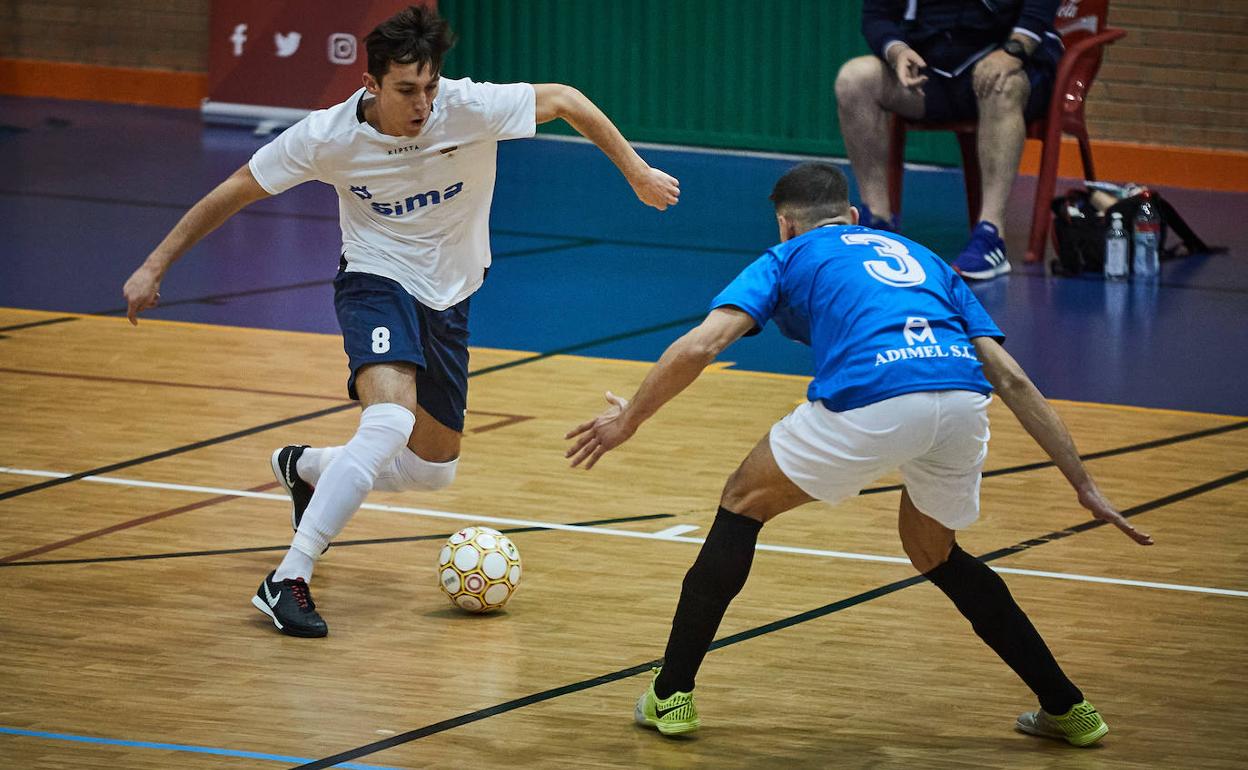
[(381, 340)]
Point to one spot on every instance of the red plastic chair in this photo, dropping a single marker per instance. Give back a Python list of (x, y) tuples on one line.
[(1081, 23)]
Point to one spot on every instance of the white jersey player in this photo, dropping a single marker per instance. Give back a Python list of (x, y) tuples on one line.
[(412, 158)]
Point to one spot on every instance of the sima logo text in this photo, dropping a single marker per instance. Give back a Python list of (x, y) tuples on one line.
[(411, 202)]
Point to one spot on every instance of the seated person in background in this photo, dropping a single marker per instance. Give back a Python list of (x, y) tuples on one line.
[(943, 60)]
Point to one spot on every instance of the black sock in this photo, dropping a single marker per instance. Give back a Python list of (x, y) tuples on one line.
[(716, 576), (983, 598)]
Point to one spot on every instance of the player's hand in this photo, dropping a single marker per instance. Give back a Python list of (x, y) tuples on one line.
[(599, 435), (655, 188), (1091, 498), (909, 66), (992, 72), (142, 292)]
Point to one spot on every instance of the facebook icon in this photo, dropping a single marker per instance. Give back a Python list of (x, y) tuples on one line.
[(238, 38)]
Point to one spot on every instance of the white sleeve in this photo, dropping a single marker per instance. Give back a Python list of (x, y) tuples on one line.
[(286, 161), (509, 111)]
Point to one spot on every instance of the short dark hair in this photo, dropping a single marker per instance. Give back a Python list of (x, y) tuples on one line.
[(415, 34), (812, 191)]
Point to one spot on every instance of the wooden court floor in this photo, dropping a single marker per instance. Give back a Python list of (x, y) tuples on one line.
[(137, 516)]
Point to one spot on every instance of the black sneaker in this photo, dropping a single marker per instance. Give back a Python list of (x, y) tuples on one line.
[(289, 604), (285, 462)]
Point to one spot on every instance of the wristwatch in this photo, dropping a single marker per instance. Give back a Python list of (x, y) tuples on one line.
[(1016, 49)]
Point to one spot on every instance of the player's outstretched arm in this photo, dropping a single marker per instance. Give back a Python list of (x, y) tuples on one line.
[(143, 287), (1040, 420), (679, 366), (652, 186)]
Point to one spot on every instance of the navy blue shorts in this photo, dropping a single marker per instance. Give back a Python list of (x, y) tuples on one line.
[(951, 99), (380, 322)]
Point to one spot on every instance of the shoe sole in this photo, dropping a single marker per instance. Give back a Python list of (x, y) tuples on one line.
[(986, 275), (261, 605), (275, 464), (1086, 739)]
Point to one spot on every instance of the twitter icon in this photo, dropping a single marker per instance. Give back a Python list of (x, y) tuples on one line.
[(286, 44)]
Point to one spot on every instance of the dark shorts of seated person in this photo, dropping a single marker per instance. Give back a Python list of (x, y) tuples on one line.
[(953, 99)]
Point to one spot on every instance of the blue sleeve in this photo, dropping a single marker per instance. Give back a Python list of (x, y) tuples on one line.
[(978, 322), (1037, 16), (756, 291), (881, 23)]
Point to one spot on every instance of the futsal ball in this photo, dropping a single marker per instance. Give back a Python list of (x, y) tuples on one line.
[(479, 569)]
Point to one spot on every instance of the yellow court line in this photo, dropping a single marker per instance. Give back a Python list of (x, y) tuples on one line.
[(718, 367)]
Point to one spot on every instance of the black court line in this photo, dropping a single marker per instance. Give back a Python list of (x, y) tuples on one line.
[(575, 244), (214, 299), (337, 544), (324, 412), (1152, 505), (549, 354), (334, 218), (1143, 445), (560, 236), (767, 628), (45, 322), (171, 452), (1160, 283)]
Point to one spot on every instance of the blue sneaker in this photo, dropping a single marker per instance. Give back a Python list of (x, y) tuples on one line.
[(983, 257), (868, 219)]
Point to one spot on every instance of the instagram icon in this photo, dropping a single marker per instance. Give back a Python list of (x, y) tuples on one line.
[(342, 48)]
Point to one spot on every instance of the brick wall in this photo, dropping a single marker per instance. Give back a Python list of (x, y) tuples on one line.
[(163, 34), (1179, 78)]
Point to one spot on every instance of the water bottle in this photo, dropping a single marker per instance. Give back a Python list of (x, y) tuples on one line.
[(1144, 260), (1116, 249)]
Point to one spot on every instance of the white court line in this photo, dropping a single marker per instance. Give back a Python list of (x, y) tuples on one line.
[(666, 535), (679, 529)]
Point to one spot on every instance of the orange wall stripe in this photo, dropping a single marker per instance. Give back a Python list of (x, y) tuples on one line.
[(130, 85), (1224, 170)]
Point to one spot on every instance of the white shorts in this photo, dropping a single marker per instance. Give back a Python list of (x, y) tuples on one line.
[(939, 441)]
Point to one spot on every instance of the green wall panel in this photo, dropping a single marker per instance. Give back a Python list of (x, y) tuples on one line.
[(750, 74)]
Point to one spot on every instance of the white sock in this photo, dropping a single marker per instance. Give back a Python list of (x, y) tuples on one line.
[(313, 462), (384, 430), (295, 564), (408, 471)]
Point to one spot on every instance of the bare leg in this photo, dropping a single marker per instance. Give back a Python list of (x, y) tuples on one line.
[(926, 541), (867, 92), (755, 493), (433, 441), (758, 489), (983, 598), (1002, 133)]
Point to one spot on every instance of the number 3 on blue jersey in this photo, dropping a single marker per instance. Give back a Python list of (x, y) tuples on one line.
[(905, 273)]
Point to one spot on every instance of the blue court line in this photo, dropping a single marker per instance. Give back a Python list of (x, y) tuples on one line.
[(179, 747)]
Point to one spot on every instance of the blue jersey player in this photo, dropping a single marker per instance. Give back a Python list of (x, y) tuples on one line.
[(412, 158), (905, 362)]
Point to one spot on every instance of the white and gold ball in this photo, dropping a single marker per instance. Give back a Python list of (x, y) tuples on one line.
[(479, 569)]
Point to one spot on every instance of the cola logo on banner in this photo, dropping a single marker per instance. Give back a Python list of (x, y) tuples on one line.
[(244, 69)]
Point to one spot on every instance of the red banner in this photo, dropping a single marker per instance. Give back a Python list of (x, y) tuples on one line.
[(302, 54)]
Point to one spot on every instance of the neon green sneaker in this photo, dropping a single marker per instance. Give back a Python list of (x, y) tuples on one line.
[(1081, 726), (672, 716)]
